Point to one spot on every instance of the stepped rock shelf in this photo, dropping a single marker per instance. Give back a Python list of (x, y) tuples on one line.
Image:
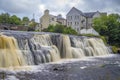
[(19, 48), (52, 56)]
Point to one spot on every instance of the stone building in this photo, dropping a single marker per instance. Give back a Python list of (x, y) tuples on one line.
[(48, 19), (82, 22)]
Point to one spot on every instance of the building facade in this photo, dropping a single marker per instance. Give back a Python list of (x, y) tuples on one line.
[(79, 20), (48, 19)]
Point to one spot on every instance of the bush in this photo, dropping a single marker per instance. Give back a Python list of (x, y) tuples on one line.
[(114, 49), (60, 29), (104, 39), (89, 35)]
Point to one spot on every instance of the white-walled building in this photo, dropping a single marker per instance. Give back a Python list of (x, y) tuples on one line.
[(81, 22)]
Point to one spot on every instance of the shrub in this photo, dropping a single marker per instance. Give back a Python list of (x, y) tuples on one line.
[(60, 29), (104, 39), (89, 35), (114, 49)]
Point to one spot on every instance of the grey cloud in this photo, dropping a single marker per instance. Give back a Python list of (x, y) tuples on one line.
[(101, 5), (19, 6), (28, 7)]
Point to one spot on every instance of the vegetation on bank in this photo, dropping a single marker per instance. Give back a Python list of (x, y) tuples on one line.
[(60, 29), (109, 27), (8, 19), (114, 49)]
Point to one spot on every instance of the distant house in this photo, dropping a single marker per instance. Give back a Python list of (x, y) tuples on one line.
[(81, 21), (48, 19), (61, 20)]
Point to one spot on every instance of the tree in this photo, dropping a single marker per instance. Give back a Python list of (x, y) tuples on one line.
[(25, 21), (32, 26), (4, 18), (109, 26), (15, 20), (113, 29), (99, 24)]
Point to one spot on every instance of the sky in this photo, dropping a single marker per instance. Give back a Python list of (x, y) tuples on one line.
[(27, 8)]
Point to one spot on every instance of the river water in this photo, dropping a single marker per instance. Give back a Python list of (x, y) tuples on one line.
[(89, 68)]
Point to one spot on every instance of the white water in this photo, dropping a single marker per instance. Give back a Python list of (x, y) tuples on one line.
[(39, 48)]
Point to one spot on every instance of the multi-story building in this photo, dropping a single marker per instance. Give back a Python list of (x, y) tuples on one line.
[(81, 21), (48, 19)]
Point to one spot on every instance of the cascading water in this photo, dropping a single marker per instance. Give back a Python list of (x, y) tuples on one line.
[(10, 55), (28, 48)]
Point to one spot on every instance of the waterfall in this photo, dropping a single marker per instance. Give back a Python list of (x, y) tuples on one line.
[(89, 46), (28, 48), (43, 49), (10, 55)]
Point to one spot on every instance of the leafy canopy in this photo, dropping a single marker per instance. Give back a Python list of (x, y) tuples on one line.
[(109, 26)]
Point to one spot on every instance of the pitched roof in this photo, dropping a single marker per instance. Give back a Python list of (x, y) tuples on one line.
[(89, 14), (80, 12)]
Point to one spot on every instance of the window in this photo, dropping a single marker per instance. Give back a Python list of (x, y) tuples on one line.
[(75, 23), (52, 19), (76, 17)]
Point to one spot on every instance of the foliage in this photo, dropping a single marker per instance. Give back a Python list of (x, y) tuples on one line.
[(5, 18), (32, 26), (104, 39), (109, 26), (60, 29), (89, 35), (25, 21), (114, 49), (15, 20)]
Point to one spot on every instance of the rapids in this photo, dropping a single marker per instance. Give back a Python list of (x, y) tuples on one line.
[(18, 48)]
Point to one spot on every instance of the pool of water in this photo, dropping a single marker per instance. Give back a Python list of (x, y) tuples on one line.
[(91, 68)]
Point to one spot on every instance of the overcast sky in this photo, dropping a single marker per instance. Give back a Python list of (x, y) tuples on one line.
[(28, 7)]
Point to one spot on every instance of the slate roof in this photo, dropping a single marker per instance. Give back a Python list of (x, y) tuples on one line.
[(88, 14), (80, 12)]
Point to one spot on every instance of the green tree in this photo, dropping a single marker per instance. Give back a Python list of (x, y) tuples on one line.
[(99, 24), (109, 26), (15, 20), (32, 26), (25, 21), (113, 29), (4, 18)]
